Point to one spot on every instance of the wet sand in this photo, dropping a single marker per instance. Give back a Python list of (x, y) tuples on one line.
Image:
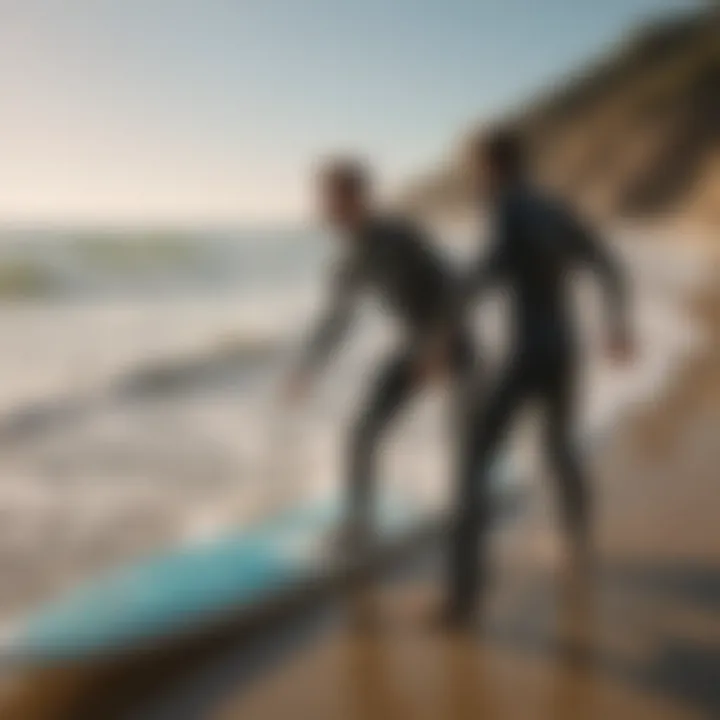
[(638, 639)]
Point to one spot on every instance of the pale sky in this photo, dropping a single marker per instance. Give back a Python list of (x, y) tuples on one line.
[(215, 110)]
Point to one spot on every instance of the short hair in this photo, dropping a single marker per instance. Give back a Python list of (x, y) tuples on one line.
[(349, 175), (504, 149)]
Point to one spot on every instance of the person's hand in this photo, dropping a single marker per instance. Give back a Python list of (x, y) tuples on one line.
[(621, 347), (296, 388)]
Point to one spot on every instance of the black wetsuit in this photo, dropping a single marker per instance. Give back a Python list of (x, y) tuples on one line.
[(393, 259), (537, 244)]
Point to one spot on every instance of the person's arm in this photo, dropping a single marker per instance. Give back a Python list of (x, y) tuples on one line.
[(593, 252), (332, 325)]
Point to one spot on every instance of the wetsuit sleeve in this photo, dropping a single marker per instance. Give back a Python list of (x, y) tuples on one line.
[(591, 251), (334, 320)]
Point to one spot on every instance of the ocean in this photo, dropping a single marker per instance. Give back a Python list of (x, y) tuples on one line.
[(140, 373)]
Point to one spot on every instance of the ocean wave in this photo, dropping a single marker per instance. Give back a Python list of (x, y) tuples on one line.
[(130, 262), (232, 359), (136, 252), (25, 278)]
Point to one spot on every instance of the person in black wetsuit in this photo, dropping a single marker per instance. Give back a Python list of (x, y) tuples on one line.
[(392, 258), (537, 243)]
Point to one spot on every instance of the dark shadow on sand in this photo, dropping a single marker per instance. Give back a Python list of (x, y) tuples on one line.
[(659, 608)]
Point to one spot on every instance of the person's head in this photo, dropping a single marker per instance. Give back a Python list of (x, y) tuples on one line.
[(499, 160), (344, 193)]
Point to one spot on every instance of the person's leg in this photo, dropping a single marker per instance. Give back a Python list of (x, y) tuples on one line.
[(393, 387), (560, 432), (487, 427), (466, 380)]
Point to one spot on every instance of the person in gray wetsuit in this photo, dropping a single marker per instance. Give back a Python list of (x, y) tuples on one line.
[(538, 242), (393, 259)]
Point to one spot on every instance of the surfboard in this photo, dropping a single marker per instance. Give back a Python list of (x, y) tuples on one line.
[(179, 590), (186, 590)]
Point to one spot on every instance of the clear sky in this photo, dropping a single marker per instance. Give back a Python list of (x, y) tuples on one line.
[(192, 110)]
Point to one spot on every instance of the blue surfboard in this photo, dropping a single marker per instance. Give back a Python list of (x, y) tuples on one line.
[(182, 590), (185, 590)]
